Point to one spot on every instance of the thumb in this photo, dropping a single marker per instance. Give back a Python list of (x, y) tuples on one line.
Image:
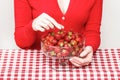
[(85, 52)]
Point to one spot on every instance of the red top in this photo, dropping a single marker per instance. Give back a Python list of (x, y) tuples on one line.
[(83, 16)]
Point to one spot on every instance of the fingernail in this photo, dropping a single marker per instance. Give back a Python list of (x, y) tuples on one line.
[(59, 27), (70, 59), (81, 55), (62, 27), (47, 28), (42, 30), (52, 27)]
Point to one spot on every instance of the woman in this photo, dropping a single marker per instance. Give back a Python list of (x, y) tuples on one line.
[(34, 18)]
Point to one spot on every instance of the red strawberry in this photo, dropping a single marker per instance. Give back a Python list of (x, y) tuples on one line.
[(62, 33), (78, 39), (67, 45), (61, 43), (68, 38), (51, 38), (76, 48), (73, 42), (57, 49), (58, 36), (52, 33), (59, 55), (70, 33), (65, 52), (73, 36), (80, 44), (54, 41), (52, 53), (73, 53)]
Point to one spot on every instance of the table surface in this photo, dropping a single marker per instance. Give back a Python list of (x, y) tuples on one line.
[(34, 65)]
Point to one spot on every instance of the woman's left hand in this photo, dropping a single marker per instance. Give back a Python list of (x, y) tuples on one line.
[(84, 59)]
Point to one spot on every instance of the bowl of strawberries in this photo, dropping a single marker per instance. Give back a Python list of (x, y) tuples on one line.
[(62, 44)]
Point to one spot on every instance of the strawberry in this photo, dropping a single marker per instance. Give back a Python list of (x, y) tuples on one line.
[(58, 36), (80, 44), (73, 42), (62, 33), (73, 36), (68, 38), (78, 39), (50, 38), (76, 48), (59, 55), (67, 45), (52, 33), (54, 41), (57, 49), (70, 33), (52, 53), (61, 43), (73, 53), (65, 52)]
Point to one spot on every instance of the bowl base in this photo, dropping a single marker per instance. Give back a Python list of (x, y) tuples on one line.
[(61, 65)]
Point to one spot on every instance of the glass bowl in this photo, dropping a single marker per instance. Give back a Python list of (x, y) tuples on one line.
[(62, 45)]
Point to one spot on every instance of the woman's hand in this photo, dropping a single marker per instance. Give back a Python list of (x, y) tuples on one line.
[(45, 22), (84, 59)]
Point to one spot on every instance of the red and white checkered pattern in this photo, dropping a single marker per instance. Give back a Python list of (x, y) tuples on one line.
[(33, 65)]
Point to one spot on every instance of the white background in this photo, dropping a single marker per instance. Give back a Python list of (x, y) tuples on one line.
[(110, 28)]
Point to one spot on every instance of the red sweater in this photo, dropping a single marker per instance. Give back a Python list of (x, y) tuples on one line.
[(83, 16)]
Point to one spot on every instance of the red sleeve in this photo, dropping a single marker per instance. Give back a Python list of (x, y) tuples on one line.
[(92, 33), (24, 34)]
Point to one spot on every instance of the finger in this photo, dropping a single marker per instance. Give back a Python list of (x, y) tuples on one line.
[(76, 60), (42, 24), (75, 64), (80, 61), (34, 25), (79, 64), (59, 26), (40, 28), (85, 52), (49, 24), (86, 64)]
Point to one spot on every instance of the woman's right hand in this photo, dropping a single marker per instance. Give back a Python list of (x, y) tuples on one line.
[(45, 22)]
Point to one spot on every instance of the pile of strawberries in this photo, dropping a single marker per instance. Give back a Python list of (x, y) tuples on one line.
[(62, 44)]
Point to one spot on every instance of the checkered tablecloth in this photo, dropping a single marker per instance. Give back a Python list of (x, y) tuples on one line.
[(34, 65)]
